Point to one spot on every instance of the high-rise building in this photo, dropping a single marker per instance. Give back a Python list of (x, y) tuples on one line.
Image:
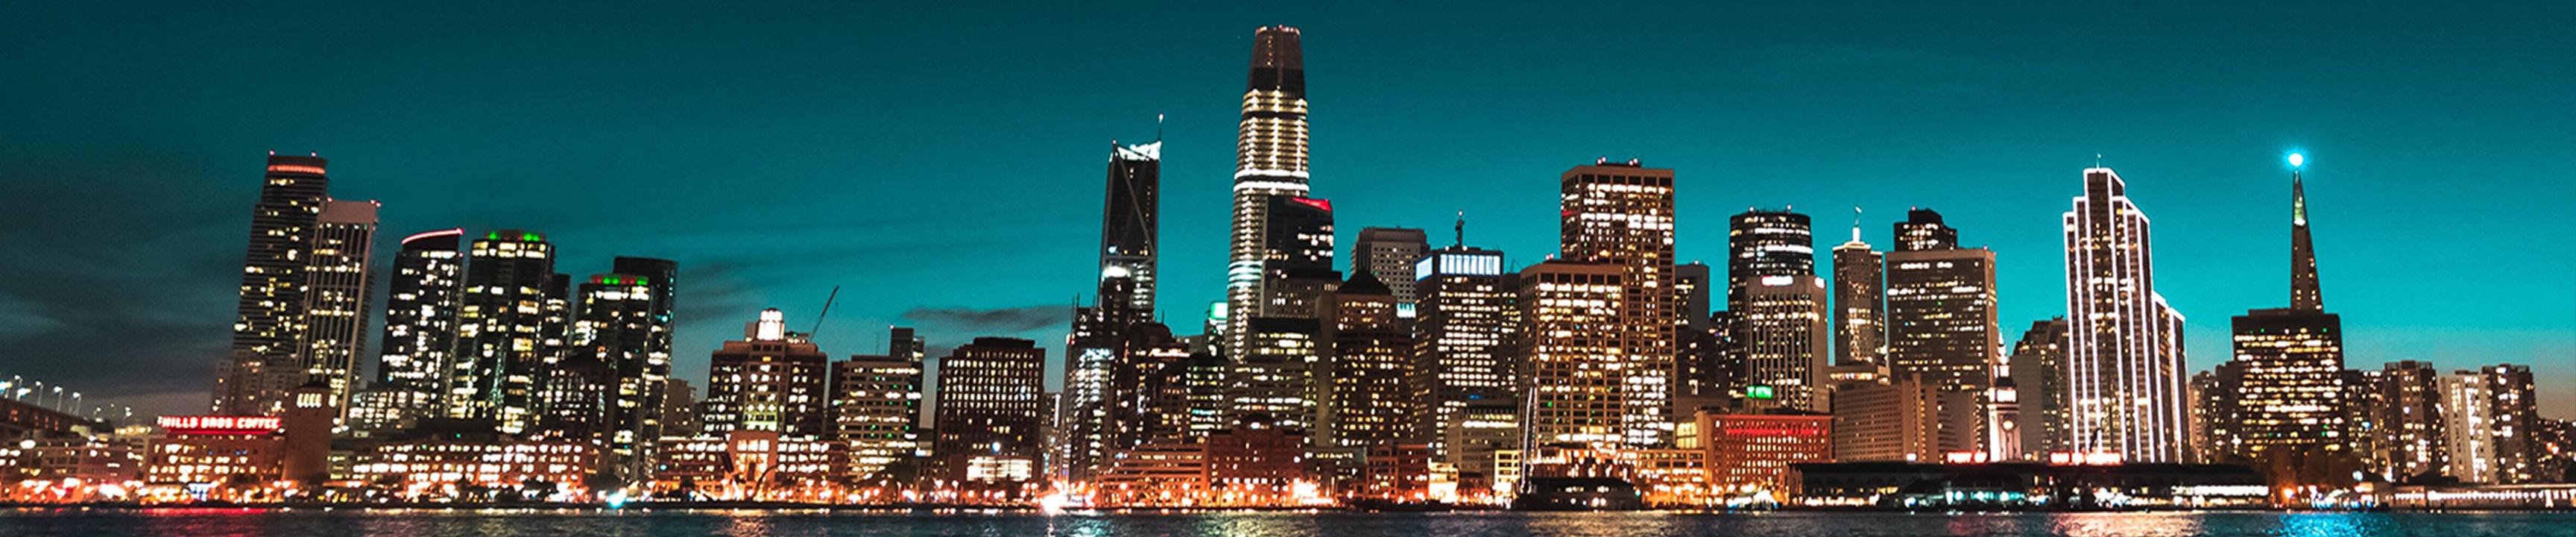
[(2217, 432), (502, 329), (1269, 166), (2039, 370), (1762, 243), (338, 283), (1463, 330), (1786, 340), (1388, 254), (1621, 215), (2490, 416), (2291, 400), (1130, 223), (1367, 404), (420, 333), (2292, 394), (1860, 304), (1573, 368), (770, 380), (2410, 421), (303, 298), (1273, 379), (1942, 326), (619, 339), (2124, 351), (2469, 427), (991, 405), (876, 406)]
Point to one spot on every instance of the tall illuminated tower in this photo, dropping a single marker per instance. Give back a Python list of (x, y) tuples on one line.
[(1860, 304), (2124, 352), (1942, 327), (419, 336), (1621, 214), (1129, 224), (269, 325), (339, 279), (1462, 334), (1270, 163), (501, 329), (2292, 397)]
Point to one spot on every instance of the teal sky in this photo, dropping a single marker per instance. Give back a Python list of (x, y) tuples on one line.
[(943, 161)]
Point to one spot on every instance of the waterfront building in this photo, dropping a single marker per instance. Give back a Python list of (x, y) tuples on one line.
[(502, 336), (1749, 455), (1464, 326), (1787, 337), (757, 466), (419, 336), (1942, 326), (876, 405), (2412, 438), (2039, 370), (303, 297), (770, 380), (2125, 345), (1889, 419), (1574, 366), (428, 468), (1620, 215), (990, 409)]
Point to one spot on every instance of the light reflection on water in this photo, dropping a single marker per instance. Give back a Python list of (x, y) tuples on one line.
[(552, 523)]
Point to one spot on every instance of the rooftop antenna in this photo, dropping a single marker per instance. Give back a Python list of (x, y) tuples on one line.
[(2097, 160), (1158, 126), (1462, 229), (827, 312)]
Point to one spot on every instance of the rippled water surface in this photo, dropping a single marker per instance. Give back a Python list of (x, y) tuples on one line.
[(308, 523)]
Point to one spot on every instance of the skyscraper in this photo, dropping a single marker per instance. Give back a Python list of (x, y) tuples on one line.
[(420, 334), (1367, 404), (1942, 327), (2039, 371), (1279, 348), (502, 329), (339, 281), (989, 412), (1130, 223), (1621, 214), (2124, 356), (1463, 330), (1574, 368), (770, 380), (1387, 255), (2411, 421), (1860, 304), (1786, 340), (2291, 400), (620, 336), (877, 403), (1270, 163), (271, 324)]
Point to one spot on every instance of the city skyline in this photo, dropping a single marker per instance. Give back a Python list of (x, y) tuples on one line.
[(2216, 198)]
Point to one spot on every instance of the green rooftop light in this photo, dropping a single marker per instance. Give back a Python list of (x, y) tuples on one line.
[(531, 237), (1758, 392)]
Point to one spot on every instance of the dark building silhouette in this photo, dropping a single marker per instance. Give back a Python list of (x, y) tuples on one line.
[(991, 406)]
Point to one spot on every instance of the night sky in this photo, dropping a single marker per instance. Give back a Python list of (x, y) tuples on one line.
[(943, 161)]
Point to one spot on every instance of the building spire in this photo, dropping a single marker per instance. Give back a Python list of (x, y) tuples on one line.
[(2305, 294)]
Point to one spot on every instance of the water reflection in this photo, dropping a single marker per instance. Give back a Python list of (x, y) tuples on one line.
[(664, 523)]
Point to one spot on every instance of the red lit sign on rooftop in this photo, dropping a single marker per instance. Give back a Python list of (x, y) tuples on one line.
[(1326, 205), (195, 425)]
